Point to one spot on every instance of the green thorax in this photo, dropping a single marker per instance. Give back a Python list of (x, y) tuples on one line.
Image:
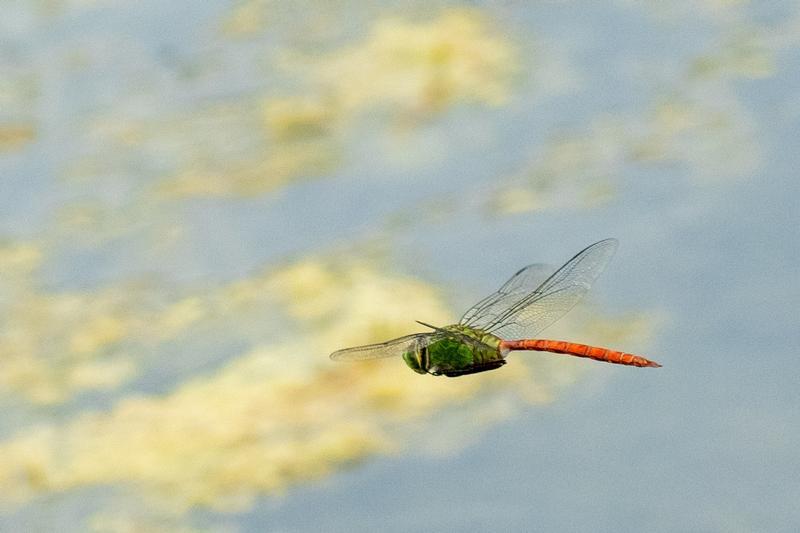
[(457, 355)]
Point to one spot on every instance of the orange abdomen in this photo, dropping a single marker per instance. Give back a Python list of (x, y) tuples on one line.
[(579, 350)]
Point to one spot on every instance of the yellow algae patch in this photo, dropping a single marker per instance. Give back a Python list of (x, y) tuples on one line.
[(15, 136), (746, 55), (293, 119), (713, 140), (363, 301), (517, 199), (337, 301), (245, 18), (261, 143), (19, 258), (181, 315), (279, 168), (423, 66), (571, 170), (285, 139), (126, 520), (54, 345), (106, 373), (218, 442), (97, 333)]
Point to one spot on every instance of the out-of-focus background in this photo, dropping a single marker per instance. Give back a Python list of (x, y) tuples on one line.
[(200, 201)]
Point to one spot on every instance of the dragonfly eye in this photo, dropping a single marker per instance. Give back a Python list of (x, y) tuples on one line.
[(414, 359)]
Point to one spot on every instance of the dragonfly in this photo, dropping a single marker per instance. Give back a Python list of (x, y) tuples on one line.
[(505, 321)]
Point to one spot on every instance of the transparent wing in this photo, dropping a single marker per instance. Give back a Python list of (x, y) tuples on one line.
[(525, 311), (384, 349), (513, 291)]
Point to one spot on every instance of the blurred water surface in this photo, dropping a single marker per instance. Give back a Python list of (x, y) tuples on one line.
[(199, 202)]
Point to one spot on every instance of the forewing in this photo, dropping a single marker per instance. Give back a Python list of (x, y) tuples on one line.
[(383, 349), (512, 292), (525, 317)]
